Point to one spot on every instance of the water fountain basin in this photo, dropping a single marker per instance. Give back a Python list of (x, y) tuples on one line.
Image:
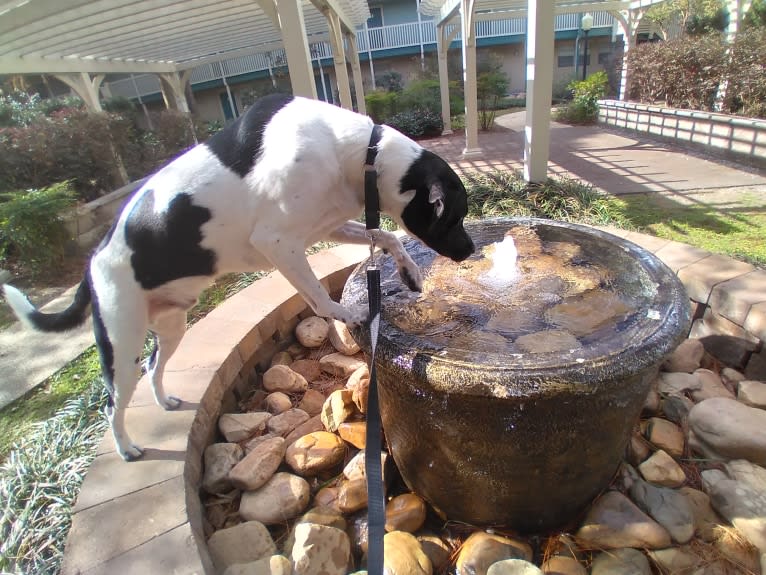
[(508, 405)]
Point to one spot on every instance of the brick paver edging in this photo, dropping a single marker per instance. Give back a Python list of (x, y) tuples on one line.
[(146, 518)]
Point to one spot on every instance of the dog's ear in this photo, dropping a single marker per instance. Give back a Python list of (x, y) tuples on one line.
[(436, 197)]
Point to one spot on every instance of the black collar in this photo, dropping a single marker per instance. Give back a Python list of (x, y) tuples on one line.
[(371, 199)]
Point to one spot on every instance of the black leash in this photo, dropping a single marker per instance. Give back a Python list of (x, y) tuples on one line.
[(376, 503)]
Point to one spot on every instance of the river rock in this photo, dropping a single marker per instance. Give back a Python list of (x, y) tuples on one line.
[(312, 402), (675, 559), (259, 465), (352, 495), (277, 402), (312, 331), (638, 449), (705, 519), (402, 555), (281, 358), (563, 566), (320, 549), (666, 506), (338, 408), (283, 497), (712, 386), (308, 368), (237, 427), (354, 432), (661, 469), (676, 383), (513, 567), (730, 543), (242, 543), (341, 338), (752, 393), (284, 423), (624, 561), (665, 435), (327, 497), (219, 459), (482, 549), (741, 498), (731, 376), (725, 427), (319, 516), (436, 549), (652, 402), (315, 452), (686, 357), (283, 378), (274, 565), (405, 512), (309, 426), (254, 442), (340, 365), (676, 408), (614, 521)]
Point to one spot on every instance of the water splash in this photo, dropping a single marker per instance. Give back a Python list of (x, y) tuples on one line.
[(504, 270)]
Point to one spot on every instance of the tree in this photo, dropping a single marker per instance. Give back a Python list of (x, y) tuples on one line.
[(680, 13)]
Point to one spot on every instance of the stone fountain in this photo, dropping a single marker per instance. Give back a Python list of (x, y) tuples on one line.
[(510, 386)]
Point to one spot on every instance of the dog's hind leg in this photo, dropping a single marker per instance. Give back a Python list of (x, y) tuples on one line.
[(169, 330)]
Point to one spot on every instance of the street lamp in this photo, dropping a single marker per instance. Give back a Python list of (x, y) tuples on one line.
[(586, 24)]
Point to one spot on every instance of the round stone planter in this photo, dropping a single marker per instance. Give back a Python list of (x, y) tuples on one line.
[(523, 439)]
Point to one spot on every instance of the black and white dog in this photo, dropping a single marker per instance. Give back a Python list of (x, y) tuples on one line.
[(288, 173)]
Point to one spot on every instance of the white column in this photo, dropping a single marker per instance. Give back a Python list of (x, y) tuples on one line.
[(469, 80), (356, 69), (737, 10), (628, 22), (293, 31), (442, 48), (537, 136), (339, 59), (85, 87)]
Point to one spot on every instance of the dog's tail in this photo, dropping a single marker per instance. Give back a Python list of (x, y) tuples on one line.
[(64, 320)]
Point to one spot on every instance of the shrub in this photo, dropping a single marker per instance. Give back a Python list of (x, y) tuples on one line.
[(423, 94), (32, 231), (417, 123), (381, 105), (746, 92), (583, 108), (491, 86), (389, 81)]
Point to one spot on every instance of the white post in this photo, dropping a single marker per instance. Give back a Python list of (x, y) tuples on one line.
[(442, 49), (469, 80), (537, 137), (296, 48)]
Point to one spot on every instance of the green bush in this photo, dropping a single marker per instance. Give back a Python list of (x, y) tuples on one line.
[(32, 231), (491, 86), (417, 123), (746, 92), (583, 107), (381, 105)]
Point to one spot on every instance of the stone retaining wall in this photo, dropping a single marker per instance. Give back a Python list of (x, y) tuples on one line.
[(743, 139), (146, 517)]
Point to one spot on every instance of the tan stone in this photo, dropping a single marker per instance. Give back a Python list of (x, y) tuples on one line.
[(354, 432), (281, 358), (352, 495), (563, 566), (513, 567), (712, 386), (406, 512), (752, 393), (661, 469), (705, 519), (437, 550), (308, 426), (242, 543), (354, 469), (666, 435), (482, 549), (274, 565), (283, 378), (238, 426), (638, 450), (257, 440), (315, 452), (686, 357), (312, 402), (320, 549), (219, 460), (284, 423), (404, 556), (308, 368), (327, 497), (312, 332), (282, 498), (277, 402), (259, 465), (340, 365), (337, 408), (341, 338)]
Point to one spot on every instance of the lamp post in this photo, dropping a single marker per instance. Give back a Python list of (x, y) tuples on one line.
[(586, 24)]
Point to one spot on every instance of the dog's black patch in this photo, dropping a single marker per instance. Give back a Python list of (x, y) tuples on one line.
[(238, 144), (166, 245), (445, 234)]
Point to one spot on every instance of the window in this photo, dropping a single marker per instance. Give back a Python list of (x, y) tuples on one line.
[(604, 58), (376, 17), (566, 60)]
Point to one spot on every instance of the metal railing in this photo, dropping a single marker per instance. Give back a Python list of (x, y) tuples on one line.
[(369, 40)]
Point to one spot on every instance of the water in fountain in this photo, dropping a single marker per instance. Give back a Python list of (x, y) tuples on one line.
[(520, 295)]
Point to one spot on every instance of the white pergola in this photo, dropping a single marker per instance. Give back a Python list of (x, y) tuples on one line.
[(80, 41)]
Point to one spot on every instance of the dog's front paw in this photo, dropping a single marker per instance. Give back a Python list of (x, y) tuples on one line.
[(170, 403), (131, 452), (411, 276), (353, 317)]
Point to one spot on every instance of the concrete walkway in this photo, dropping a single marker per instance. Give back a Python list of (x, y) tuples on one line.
[(613, 161)]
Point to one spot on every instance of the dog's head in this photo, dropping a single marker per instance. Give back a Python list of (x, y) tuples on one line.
[(437, 206)]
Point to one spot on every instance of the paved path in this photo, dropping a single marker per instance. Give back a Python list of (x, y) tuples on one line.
[(614, 161)]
